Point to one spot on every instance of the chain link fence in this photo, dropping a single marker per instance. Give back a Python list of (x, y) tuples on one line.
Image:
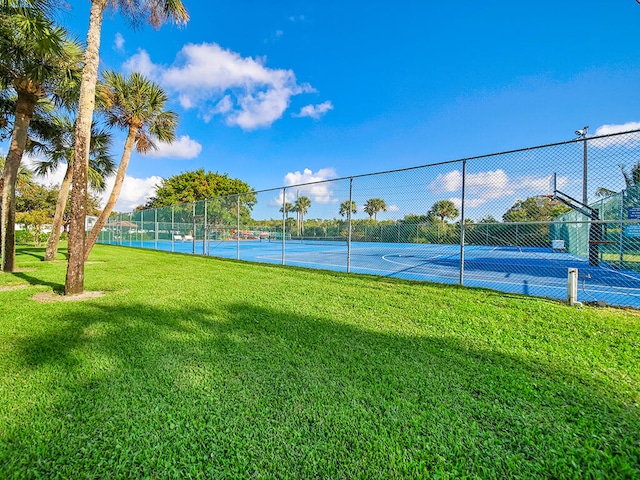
[(517, 222)]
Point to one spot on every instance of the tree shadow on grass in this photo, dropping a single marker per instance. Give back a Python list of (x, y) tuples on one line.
[(254, 391), (36, 252), (31, 280)]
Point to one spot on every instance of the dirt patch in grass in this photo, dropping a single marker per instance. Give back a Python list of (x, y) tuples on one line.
[(48, 297), (8, 288)]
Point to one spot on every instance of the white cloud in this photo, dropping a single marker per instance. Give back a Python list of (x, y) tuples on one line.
[(141, 63), (50, 179), (490, 185), (135, 191), (221, 82), (315, 111), (618, 140), (118, 42), (318, 192), (393, 208), (184, 147)]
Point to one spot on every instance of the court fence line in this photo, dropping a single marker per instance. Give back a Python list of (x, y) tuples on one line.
[(540, 235)]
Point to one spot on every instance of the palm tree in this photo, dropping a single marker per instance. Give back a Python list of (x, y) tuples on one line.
[(301, 207), (37, 60), (137, 105), (347, 207), (24, 177), (632, 177), (288, 207), (373, 206), (444, 209), (154, 12), (58, 146)]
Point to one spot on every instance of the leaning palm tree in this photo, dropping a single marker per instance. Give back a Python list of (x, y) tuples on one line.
[(302, 207), (137, 105), (57, 145), (373, 206), (37, 60), (154, 12), (347, 207)]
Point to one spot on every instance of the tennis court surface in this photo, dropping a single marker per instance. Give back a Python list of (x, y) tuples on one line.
[(533, 271)]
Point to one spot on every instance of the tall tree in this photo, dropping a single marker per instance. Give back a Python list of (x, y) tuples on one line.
[(136, 104), (199, 185), (58, 146), (373, 206), (288, 207), (444, 209), (154, 12), (346, 207), (301, 207), (37, 60), (535, 209)]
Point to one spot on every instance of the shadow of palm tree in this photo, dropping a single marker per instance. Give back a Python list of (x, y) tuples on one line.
[(32, 280)]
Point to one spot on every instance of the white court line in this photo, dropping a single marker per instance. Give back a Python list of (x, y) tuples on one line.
[(384, 257)]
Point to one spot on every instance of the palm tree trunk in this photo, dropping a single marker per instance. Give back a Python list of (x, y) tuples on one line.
[(115, 193), (25, 105), (74, 283), (61, 204)]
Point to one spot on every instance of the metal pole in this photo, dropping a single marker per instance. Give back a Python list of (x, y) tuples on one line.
[(584, 168), (204, 232), (603, 226), (284, 219), (130, 222), (621, 226), (464, 175), (238, 231), (349, 219), (173, 232), (141, 229), (155, 212), (193, 233)]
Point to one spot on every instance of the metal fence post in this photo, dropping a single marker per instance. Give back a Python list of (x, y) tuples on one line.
[(173, 232), (349, 230), (194, 233), (464, 175), (621, 227), (238, 231), (284, 219), (204, 231), (155, 244)]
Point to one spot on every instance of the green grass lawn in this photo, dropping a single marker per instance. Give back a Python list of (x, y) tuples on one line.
[(195, 367)]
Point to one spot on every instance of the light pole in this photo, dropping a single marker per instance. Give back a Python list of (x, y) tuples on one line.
[(583, 135)]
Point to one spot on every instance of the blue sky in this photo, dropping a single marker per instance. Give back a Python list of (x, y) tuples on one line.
[(284, 91)]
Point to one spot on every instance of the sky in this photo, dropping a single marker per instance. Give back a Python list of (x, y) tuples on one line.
[(289, 91)]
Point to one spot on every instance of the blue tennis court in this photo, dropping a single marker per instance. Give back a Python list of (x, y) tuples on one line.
[(525, 270)]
